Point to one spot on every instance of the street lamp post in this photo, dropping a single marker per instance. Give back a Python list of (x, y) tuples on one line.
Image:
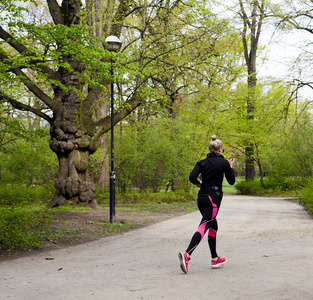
[(113, 44)]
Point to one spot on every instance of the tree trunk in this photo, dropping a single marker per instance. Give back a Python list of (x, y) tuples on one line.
[(249, 162), (73, 149), (101, 28), (73, 184), (249, 151), (261, 174), (71, 139), (253, 22)]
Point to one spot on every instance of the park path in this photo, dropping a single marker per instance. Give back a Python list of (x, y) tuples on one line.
[(268, 243)]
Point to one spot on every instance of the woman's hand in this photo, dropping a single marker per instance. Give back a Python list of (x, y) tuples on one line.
[(232, 162), (199, 185)]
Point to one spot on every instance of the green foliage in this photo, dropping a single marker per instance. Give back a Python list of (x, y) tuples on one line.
[(20, 228), (145, 158), (56, 43), (145, 197), (23, 221), (184, 62), (29, 162), (108, 227), (249, 187), (158, 153), (19, 195), (60, 233), (307, 196), (160, 197), (96, 160), (228, 189), (9, 10), (293, 155), (286, 186), (11, 129)]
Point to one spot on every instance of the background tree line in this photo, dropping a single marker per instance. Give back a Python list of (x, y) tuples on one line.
[(183, 74)]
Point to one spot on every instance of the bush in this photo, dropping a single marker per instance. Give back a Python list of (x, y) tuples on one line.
[(22, 228), (19, 195), (29, 163), (307, 196), (145, 197), (287, 185), (249, 187)]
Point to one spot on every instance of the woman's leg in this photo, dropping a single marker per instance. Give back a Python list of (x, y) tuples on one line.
[(209, 208), (212, 238)]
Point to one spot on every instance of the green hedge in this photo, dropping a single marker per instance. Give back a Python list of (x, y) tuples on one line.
[(307, 196), (287, 186), (20, 195), (145, 197), (21, 228)]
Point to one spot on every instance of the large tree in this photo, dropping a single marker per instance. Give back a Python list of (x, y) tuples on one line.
[(61, 65), (67, 68), (252, 16)]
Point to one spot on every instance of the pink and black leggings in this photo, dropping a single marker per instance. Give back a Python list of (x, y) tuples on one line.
[(209, 206)]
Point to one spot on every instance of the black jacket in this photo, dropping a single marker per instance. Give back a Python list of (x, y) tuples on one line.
[(212, 170)]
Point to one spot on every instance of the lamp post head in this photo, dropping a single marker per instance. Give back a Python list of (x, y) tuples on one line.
[(113, 43)]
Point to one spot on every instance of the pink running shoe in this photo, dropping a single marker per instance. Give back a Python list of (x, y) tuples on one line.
[(219, 262), (184, 259)]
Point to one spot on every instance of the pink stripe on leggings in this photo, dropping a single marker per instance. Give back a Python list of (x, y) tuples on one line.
[(212, 232), (214, 213), (201, 229)]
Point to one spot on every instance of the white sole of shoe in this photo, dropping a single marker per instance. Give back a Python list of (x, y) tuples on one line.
[(219, 265), (182, 262)]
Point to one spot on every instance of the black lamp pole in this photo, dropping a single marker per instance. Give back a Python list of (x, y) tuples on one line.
[(113, 44), (112, 172)]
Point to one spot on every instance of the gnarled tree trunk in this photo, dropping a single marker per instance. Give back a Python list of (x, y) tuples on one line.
[(73, 184), (72, 141)]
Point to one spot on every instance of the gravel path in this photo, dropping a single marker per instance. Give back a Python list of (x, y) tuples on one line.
[(268, 243)]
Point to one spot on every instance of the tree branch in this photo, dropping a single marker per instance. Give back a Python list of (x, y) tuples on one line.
[(261, 18), (244, 15), (21, 106), (22, 49), (134, 9), (119, 17), (56, 12), (29, 84), (104, 124)]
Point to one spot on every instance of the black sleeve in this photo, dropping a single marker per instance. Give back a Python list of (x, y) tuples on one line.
[(229, 173), (193, 177)]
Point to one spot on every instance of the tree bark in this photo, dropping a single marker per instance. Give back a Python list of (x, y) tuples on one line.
[(74, 184), (100, 27), (254, 24), (72, 142)]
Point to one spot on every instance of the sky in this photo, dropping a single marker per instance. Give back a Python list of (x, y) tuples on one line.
[(281, 50)]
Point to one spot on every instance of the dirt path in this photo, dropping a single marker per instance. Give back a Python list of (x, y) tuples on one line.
[(268, 243)]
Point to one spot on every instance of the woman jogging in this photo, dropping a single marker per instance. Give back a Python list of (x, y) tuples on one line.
[(212, 170)]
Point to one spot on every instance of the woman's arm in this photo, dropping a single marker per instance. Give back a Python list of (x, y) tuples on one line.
[(229, 172), (193, 177)]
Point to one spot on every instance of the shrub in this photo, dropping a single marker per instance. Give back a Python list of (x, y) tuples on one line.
[(249, 187), (22, 228), (307, 196), (145, 197), (18, 195), (287, 185), (29, 163)]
